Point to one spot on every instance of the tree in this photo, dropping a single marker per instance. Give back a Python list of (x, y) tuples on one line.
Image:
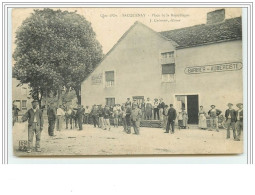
[(55, 50)]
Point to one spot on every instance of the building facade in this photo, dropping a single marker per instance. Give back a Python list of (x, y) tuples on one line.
[(189, 67), (20, 96)]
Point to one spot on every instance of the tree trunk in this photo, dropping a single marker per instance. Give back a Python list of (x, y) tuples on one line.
[(78, 94), (59, 97), (46, 99)]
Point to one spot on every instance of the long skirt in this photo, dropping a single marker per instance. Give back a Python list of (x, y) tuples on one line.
[(202, 122)]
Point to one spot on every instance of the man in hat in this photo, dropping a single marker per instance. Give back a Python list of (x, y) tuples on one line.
[(107, 115), (239, 121), (136, 115), (79, 113), (94, 114), (101, 116), (230, 115), (214, 113), (156, 109), (128, 102), (171, 119), (161, 107), (35, 125), (51, 113)]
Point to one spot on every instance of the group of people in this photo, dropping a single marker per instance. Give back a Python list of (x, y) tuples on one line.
[(129, 114), (233, 119)]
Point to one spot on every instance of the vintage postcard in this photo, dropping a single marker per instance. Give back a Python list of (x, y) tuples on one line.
[(127, 81)]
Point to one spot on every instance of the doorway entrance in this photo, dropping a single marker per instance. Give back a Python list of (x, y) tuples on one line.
[(190, 104)]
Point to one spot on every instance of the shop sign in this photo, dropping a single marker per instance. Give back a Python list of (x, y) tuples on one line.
[(214, 68), (97, 79)]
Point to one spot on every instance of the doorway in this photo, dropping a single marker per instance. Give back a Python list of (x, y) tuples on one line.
[(190, 104)]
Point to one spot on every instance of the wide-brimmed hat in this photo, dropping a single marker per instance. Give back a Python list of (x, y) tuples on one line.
[(230, 104), (213, 105), (239, 104)]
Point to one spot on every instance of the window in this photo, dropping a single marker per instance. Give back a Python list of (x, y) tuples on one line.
[(109, 78), (167, 58), (24, 104), (110, 101), (167, 55), (168, 72)]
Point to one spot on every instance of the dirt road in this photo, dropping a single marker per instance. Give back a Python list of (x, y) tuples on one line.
[(95, 141)]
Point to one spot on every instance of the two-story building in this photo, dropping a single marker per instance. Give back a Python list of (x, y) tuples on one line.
[(189, 67)]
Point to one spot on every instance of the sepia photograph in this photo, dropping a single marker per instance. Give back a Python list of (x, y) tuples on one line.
[(127, 81)]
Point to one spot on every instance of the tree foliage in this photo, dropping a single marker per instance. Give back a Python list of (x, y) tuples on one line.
[(55, 49)]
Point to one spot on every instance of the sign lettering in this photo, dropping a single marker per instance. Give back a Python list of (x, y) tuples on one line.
[(214, 68)]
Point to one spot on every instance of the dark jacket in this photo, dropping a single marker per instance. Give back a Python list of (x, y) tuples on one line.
[(161, 105), (107, 114), (171, 114), (101, 112), (51, 112), (30, 114), (232, 113), (80, 112)]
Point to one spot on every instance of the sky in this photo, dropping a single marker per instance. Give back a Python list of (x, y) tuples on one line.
[(110, 24)]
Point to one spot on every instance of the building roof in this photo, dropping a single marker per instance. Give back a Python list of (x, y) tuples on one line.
[(230, 29)]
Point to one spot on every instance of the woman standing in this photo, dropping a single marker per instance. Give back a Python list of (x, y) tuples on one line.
[(202, 118)]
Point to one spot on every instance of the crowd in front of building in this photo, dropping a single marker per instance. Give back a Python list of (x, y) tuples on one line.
[(129, 114)]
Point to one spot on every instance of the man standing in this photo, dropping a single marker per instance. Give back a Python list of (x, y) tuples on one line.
[(161, 107), (230, 115), (94, 114), (128, 119), (128, 102), (87, 111), (214, 113), (107, 114), (101, 116), (239, 122), (136, 115), (142, 106), (60, 115), (51, 119), (171, 119), (148, 109), (80, 112), (35, 125), (68, 117), (156, 109)]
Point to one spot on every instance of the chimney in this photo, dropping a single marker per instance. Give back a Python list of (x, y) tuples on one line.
[(216, 16)]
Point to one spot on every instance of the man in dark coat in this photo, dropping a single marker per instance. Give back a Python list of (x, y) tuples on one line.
[(128, 119), (230, 115), (35, 125), (51, 112), (171, 119), (239, 122), (79, 113)]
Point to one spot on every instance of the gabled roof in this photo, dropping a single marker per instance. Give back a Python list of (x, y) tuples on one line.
[(230, 29)]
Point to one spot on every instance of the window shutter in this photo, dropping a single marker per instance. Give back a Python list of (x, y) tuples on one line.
[(168, 69), (109, 76)]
